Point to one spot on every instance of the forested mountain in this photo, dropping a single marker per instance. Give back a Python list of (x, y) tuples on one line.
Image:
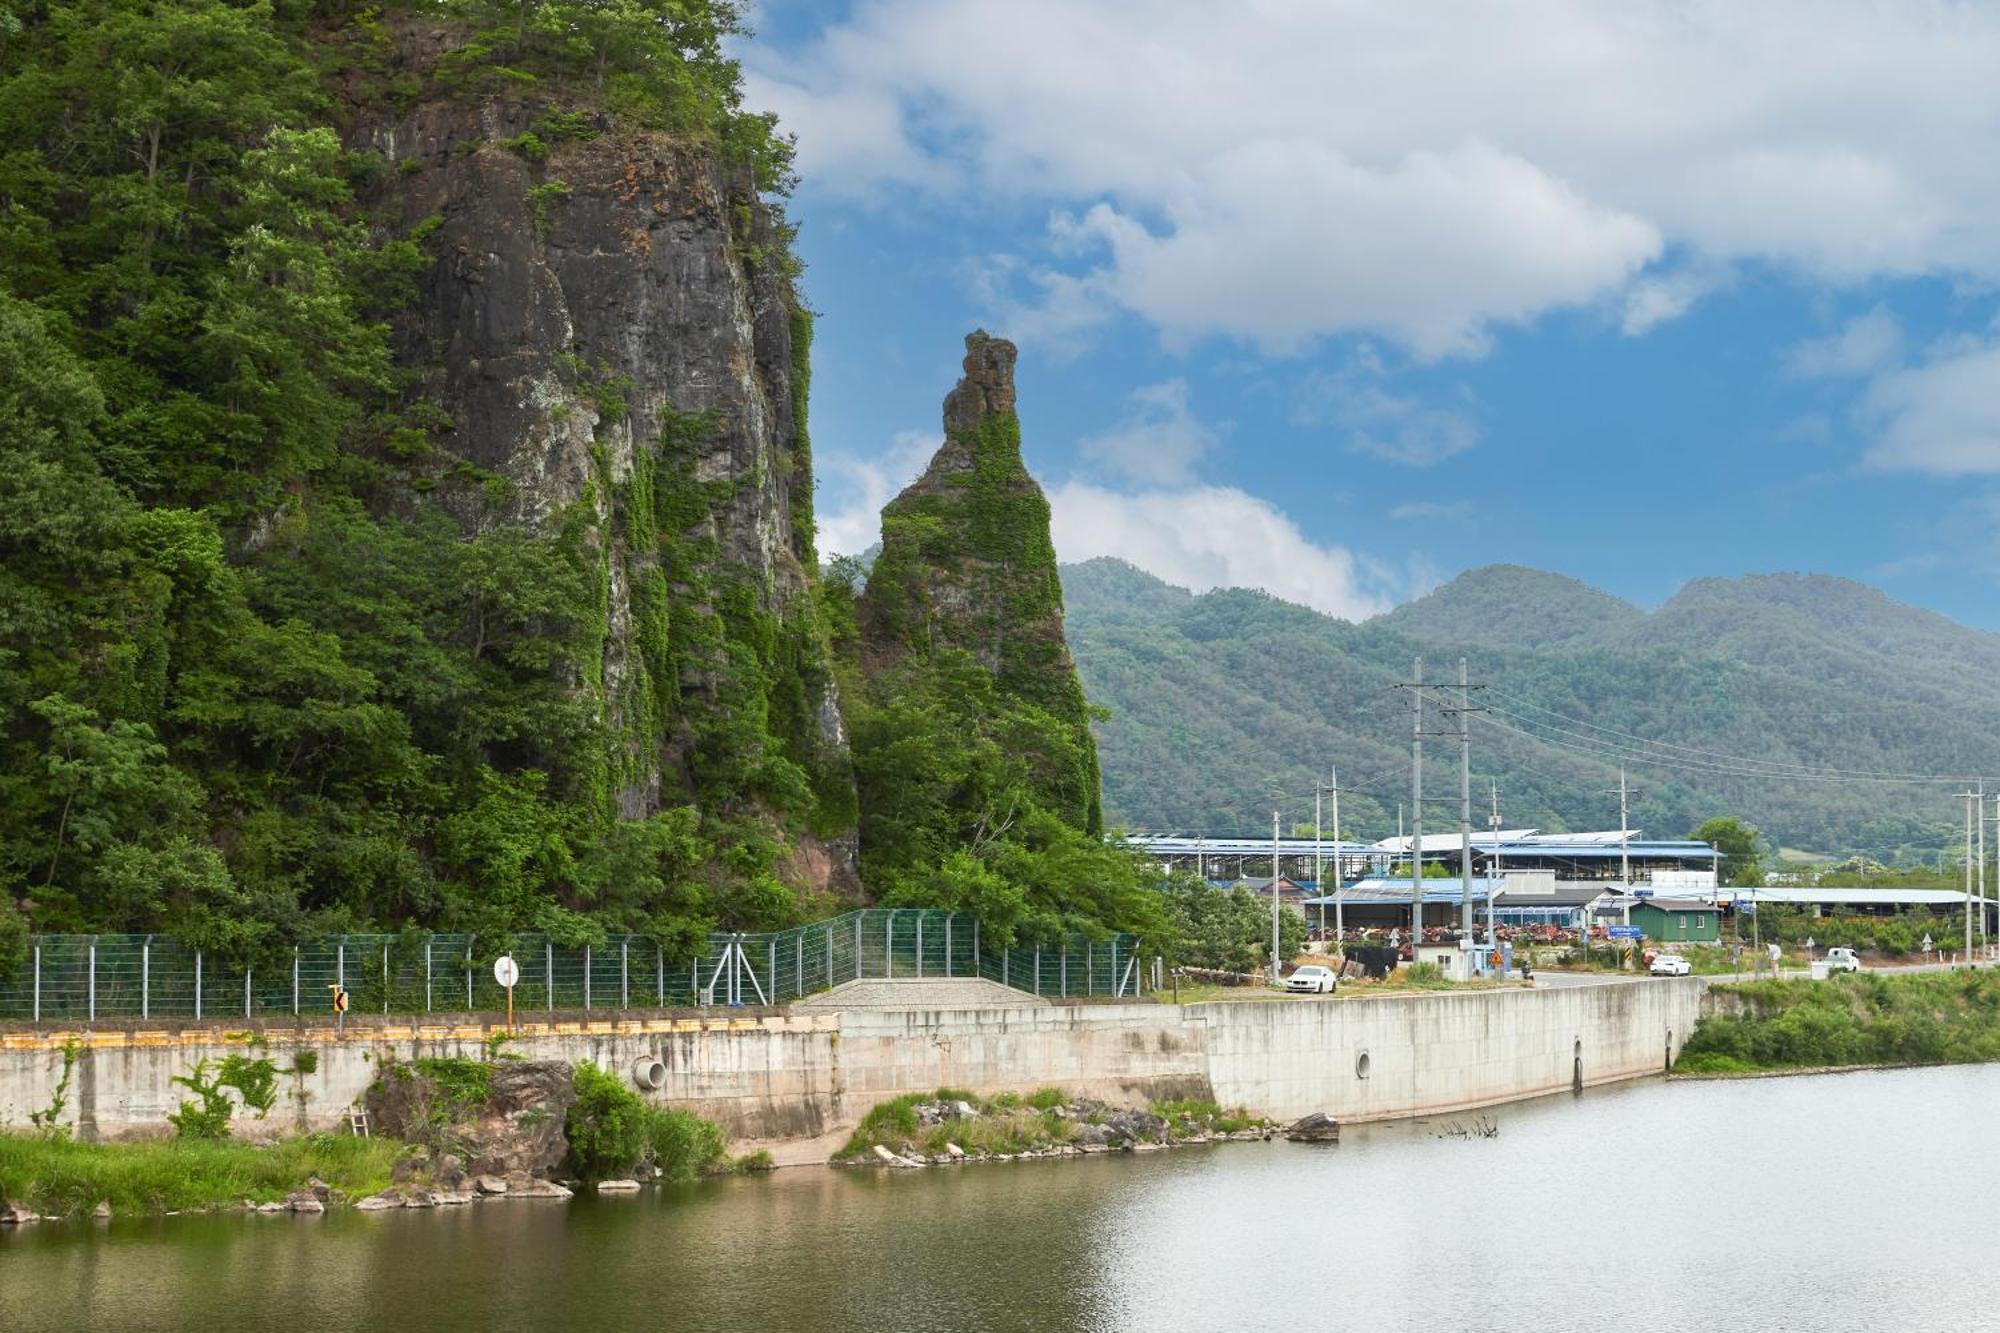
[(406, 494), (1223, 706)]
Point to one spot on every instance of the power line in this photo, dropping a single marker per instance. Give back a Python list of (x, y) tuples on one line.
[(1788, 766), (1612, 752)]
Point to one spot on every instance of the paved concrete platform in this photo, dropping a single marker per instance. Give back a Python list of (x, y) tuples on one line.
[(918, 993)]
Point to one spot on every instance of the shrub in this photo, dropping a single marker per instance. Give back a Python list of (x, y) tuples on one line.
[(613, 1131)]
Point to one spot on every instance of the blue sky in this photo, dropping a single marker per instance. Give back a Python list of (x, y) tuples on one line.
[(1342, 299)]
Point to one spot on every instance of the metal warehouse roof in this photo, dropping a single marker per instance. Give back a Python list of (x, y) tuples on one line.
[(1858, 896)]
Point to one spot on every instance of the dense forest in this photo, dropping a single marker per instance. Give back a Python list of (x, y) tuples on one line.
[(1223, 706), (369, 560)]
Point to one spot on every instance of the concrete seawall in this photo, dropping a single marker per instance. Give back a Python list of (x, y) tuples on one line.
[(804, 1079)]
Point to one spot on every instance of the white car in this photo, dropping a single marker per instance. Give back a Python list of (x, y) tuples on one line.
[(1842, 959), (1672, 965), (1315, 980)]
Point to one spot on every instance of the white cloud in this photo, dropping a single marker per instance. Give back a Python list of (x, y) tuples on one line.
[(1662, 297), (851, 520), (1158, 440), (1426, 171), (1204, 537), (1941, 418), (1430, 509), (1865, 345), (1399, 428)]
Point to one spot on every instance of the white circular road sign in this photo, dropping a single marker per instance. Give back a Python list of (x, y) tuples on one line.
[(506, 971)]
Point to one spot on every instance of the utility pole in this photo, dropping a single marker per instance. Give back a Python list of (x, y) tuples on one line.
[(1493, 875), (1624, 833), (1417, 810), (1464, 804), (1319, 860), (1340, 880), (1983, 861), (1274, 898), (1970, 797)]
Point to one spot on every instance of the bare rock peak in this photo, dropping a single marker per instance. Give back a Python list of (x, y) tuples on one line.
[(988, 386)]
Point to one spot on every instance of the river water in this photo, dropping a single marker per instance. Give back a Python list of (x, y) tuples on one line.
[(1858, 1201)]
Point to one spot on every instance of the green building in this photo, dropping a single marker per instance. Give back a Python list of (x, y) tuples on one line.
[(1677, 920)]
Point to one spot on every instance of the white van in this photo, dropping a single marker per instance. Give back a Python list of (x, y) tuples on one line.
[(1842, 959)]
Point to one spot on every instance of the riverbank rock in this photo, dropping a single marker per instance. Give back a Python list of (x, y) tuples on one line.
[(617, 1187), (490, 1185), (376, 1203), (1318, 1127), (103, 1210), (304, 1201), (530, 1187), (517, 1129)]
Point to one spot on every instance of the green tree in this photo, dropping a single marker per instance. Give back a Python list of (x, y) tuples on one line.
[(1742, 862)]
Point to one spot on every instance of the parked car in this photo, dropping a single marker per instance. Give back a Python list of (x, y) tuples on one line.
[(1672, 965), (1842, 959), (1314, 979)]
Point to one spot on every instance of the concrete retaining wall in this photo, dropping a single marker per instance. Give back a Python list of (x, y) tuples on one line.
[(804, 1078)]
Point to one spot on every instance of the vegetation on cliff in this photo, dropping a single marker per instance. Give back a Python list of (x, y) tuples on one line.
[(56, 1176), (1859, 1019), (254, 684), (972, 746)]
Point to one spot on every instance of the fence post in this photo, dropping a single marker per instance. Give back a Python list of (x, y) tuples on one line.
[(93, 978), (549, 967), (857, 944), (975, 947), (1089, 970), (1038, 969), (947, 942), (889, 947), (295, 981), (586, 978), (625, 973), (197, 985), (1062, 970), (920, 942), (799, 965), (772, 989), (246, 990), (146, 978), (427, 975), (694, 984), (829, 957), (385, 981), (468, 974), (38, 981), (660, 963), (339, 965), (1006, 965)]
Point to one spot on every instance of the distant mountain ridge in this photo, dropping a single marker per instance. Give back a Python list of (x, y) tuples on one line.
[(1227, 703)]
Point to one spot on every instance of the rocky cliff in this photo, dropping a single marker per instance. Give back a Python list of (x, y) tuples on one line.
[(609, 345), (967, 564)]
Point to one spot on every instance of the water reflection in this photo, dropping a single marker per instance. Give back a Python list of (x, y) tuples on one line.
[(1858, 1201)]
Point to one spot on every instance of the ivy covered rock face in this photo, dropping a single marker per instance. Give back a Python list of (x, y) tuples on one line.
[(967, 564)]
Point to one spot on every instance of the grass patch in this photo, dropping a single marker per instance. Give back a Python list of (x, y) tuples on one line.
[(60, 1177), (1923, 1018), (1188, 1116)]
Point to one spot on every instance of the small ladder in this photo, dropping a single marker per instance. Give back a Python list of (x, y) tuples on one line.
[(357, 1121)]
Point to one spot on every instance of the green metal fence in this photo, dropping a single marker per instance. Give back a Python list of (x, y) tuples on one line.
[(72, 978)]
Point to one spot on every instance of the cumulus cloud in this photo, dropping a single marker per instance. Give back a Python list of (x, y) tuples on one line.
[(1396, 427), (853, 489), (1158, 440), (1865, 345), (1424, 171), (1204, 537), (1942, 417)]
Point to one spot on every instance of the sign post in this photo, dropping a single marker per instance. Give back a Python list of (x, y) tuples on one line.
[(339, 1007), (506, 971)]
